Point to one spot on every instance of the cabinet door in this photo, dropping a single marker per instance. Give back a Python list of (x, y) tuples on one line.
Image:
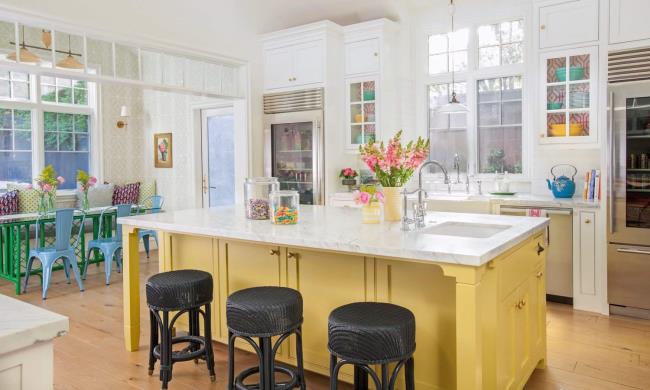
[(514, 346), (587, 253), (628, 20), (362, 57), (568, 23), (278, 67), (362, 112), (308, 63), (568, 93), (538, 308)]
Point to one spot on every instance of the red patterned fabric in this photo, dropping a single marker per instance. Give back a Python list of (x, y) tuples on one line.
[(9, 203), (126, 194)]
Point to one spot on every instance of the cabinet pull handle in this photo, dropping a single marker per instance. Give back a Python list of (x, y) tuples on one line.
[(540, 274), (274, 252), (587, 220), (376, 54), (542, 27), (293, 255), (540, 249)]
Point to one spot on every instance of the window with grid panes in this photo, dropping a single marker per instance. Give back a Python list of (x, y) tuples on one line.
[(61, 90), (448, 52), (66, 140), (15, 145), (500, 44), (14, 85), (448, 133)]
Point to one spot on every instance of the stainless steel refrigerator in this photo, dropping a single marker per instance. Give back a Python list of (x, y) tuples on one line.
[(628, 206), (293, 152)]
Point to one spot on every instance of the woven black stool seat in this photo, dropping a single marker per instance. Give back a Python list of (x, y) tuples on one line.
[(187, 292), (368, 333), (264, 311), (177, 290)]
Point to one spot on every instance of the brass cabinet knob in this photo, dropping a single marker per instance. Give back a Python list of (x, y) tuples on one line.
[(540, 274), (542, 27), (376, 54), (292, 255), (274, 252), (540, 249), (587, 220)]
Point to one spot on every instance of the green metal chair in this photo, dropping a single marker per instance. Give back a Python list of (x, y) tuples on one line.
[(62, 249), (157, 202), (109, 246)]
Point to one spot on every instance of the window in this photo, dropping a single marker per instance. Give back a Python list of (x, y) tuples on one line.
[(499, 119), (491, 83), (15, 145), (448, 133), (500, 44), (14, 85), (60, 118), (58, 90), (448, 52)]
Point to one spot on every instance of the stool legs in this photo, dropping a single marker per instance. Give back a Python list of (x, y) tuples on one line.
[(301, 369), (153, 340), (165, 351), (362, 371), (209, 354)]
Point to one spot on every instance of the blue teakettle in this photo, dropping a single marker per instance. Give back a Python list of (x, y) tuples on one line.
[(562, 186)]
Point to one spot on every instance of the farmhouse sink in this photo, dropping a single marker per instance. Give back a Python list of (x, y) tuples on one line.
[(465, 229)]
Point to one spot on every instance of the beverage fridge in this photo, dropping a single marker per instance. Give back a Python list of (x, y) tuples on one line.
[(628, 253), (293, 151)]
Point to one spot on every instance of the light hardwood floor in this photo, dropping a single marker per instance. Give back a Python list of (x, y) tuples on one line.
[(585, 350)]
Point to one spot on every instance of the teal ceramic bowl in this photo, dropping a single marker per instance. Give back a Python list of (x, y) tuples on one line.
[(368, 95), (575, 73), (554, 106)]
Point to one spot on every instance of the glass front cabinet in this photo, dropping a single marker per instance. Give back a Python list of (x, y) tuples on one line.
[(362, 114), (568, 92)]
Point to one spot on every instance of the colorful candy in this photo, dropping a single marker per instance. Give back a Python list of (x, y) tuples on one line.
[(257, 209), (283, 215)]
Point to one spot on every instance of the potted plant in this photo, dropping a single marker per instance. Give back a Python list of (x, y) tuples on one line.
[(393, 165), (370, 198), (85, 182), (47, 183), (348, 177)]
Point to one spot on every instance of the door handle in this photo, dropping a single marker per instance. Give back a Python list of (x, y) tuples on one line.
[(634, 251), (293, 255), (540, 249), (540, 274), (274, 252)]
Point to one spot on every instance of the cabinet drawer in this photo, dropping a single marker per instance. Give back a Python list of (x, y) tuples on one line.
[(518, 265), (568, 23)]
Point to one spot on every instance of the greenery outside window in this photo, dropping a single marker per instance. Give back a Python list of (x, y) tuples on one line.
[(60, 90)]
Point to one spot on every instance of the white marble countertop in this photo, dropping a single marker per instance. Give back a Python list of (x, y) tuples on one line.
[(23, 324), (340, 229)]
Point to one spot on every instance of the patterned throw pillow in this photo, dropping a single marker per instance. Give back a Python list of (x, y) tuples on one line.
[(28, 198), (147, 190), (126, 194), (9, 203)]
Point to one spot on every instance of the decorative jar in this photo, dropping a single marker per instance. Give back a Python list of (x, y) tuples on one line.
[(371, 213), (256, 193), (393, 204), (285, 207)]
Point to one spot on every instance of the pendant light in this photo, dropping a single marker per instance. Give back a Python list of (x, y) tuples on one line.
[(69, 62), (46, 38), (454, 106), (26, 56)]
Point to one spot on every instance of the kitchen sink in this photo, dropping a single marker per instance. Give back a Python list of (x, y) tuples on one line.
[(465, 229)]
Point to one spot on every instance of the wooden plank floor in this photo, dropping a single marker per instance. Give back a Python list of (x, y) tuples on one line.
[(585, 350)]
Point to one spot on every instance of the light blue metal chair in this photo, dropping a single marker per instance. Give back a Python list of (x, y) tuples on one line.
[(108, 246), (156, 205), (62, 249)]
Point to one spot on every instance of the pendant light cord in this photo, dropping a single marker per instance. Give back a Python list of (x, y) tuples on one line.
[(453, 79)]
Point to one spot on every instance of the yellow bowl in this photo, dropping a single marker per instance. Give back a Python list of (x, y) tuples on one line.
[(559, 130)]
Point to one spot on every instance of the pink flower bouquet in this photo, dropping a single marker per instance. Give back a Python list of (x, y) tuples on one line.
[(368, 194), (348, 173), (394, 164)]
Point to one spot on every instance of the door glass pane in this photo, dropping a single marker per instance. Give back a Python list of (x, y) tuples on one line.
[(221, 159), (292, 158), (555, 70), (579, 124), (579, 95), (638, 162), (556, 97), (579, 67)]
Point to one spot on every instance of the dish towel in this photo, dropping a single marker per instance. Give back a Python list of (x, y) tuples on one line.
[(540, 213)]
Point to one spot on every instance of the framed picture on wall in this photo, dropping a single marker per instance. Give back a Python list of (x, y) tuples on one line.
[(162, 150)]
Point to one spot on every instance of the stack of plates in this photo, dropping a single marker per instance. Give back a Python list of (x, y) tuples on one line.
[(579, 100)]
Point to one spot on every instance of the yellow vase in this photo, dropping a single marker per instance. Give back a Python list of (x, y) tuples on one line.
[(392, 204), (371, 213)]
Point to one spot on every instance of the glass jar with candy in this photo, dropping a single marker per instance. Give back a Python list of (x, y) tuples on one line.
[(285, 207), (256, 193)]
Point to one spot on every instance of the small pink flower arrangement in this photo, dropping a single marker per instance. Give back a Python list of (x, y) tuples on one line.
[(367, 195), (348, 173), (47, 183), (394, 164), (85, 183)]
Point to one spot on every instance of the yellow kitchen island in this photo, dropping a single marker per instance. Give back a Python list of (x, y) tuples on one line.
[(474, 282)]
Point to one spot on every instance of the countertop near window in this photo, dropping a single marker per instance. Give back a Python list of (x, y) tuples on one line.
[(23, 324), (340, 229), (522, 199)]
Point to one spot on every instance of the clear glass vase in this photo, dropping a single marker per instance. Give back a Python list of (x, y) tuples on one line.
[(85, 205)]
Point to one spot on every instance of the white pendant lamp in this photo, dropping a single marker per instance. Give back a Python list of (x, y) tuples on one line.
[(454, 106), (26, 56), (69, 62)]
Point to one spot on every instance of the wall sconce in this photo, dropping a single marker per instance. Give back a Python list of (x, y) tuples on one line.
[(124, 114)]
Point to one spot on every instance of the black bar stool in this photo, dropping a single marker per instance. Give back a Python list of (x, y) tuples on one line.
[(367, 333), (184, 291), (265, 312)]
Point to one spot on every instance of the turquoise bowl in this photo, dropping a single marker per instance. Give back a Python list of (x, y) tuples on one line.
[(575, 73), (554, 106)]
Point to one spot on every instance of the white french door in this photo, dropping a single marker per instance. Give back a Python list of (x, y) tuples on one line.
[(221, 168)]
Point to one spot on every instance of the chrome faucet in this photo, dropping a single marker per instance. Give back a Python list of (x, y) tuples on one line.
[(444, 172), (457, 167), (419, 209)]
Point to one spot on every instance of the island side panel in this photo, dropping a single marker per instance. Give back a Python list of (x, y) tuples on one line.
[(131, 287)]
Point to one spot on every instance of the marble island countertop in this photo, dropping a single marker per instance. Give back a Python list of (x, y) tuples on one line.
[(23, 324), (340, 229)]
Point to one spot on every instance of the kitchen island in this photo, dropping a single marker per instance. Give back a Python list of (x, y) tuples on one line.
[(474, 282)]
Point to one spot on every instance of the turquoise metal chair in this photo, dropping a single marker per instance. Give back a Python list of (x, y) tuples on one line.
[(144, 235), (62, 249), (108, 246)]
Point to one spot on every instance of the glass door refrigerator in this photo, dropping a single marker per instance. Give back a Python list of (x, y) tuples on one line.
[(294, 142), (629, 199)]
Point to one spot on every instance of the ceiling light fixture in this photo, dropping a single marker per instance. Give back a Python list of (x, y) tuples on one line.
[(26, 56), (454, 106), (69, 62), (46, 38)]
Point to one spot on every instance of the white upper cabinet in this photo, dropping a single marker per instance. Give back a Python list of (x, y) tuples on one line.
[(628, 20), (294, 65), (568, 23), (362, 57)]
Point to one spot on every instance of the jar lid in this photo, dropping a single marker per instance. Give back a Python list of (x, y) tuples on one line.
[(284, 193), (262, 179)]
